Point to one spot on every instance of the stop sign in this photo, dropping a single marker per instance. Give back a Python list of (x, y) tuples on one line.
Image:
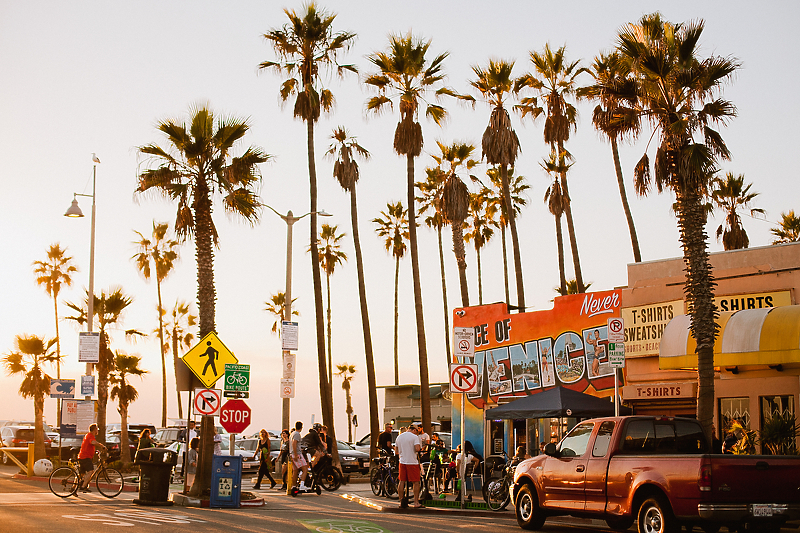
[(234, 416)]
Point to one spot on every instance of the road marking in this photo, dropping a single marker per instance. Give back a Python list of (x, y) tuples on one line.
[(133, 517), (344, 525)]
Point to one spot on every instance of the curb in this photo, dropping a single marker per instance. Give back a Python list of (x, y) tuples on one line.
[(367, 502)]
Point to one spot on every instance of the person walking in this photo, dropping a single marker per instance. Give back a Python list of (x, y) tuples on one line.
[(283, 456), (191, 461), (298, 461), (144, 440), (262, 452), (407, 446)]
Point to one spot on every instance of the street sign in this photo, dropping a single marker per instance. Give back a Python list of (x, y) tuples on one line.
[(88, 347), (237, 378), (289, 336), (616, 330), (616, 354), (207, 359), (463, 339), (289, 360), (87, 385), (287, 388), (207, 401), (463, 378), (62, 388), (235, 394), (235, 416)]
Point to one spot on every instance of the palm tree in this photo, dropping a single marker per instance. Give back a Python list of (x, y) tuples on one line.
[(730, 195), (554, 81), (306, 45), (346, 372), (197, 166), (277, 306), (404, 71), (557, 203), (178, 335), (345, 170), (788, 229), (31, 354), (52, 273), (481, 217), (124, 367), (678, 92), (572, 288), (331, 256), (614, 119), (500, 146), (431, 191), (161, 251), (108, 309), (394, 227)]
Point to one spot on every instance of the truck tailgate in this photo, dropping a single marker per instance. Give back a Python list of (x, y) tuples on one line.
[(755, 478)]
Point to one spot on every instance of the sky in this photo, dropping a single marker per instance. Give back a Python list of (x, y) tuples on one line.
[(87, 77)]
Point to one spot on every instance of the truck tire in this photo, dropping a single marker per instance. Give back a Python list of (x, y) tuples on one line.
[(655, 516), (620, 523), (529, 515)]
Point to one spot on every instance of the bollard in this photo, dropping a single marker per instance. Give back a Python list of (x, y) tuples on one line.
[(30, 459), (289, 475)]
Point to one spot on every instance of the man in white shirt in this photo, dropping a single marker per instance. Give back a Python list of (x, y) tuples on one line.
[(424, 438), (192, 431), (406, 446)]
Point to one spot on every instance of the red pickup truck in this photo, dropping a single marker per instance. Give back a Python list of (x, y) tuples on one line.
[(657, 472)]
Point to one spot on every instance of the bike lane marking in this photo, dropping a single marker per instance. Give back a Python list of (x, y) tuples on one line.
[(343, 525), (129, 517)]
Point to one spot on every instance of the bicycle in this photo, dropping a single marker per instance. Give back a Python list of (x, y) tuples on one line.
[(382, 480), (496, 492), (65, 481)]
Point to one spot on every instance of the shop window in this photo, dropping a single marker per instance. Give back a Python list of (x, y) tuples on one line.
[(776, 405), (734, 409)]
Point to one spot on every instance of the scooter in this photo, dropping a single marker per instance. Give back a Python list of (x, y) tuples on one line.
[(313, 488)]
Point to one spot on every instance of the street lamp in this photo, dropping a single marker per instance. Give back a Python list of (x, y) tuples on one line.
[(290, 219), (75, 212)]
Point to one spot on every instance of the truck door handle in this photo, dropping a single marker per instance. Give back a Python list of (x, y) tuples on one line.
[(580, 468)]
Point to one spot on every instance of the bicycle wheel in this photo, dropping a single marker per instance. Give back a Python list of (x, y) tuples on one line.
[(496, 494), (390, 487), (375, 481), (64, 481), (330, 479), (109, 482)]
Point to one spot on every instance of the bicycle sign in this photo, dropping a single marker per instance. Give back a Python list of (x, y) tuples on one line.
[(237, 378)]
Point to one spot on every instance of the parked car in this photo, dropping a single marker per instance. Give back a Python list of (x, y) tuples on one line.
[(249, 464), (166, 436), (132, 428), (363, 444), (353, 460), (49, 431), (658, 472), (21, 436), (113, 444)]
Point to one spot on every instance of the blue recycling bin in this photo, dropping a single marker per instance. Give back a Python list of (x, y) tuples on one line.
[(226, 481)]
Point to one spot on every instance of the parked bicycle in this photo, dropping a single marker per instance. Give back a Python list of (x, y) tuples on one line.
[(497, 492), (382, 479), (66, 480)]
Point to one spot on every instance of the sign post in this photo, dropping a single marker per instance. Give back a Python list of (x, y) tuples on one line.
[(463, 379), (616, 353)]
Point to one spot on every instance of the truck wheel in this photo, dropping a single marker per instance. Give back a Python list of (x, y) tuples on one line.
[(620, 523), (529, 515), (655, 516)]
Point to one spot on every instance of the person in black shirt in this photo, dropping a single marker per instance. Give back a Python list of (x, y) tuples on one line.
[(385, 440), (313, 444)]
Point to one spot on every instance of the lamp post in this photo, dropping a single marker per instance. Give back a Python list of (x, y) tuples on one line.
[(75, 212), (290, 219)]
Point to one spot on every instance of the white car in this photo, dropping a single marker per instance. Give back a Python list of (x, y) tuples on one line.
[(249, 464)]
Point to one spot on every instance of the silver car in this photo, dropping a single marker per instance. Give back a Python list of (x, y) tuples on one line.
[(249, 464)]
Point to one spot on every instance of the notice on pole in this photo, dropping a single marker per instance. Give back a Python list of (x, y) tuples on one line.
[(616, 354), (87, 385), (88, 347), (289, 336), (85, 416), (287, 388), (464, 344), (289, 360)]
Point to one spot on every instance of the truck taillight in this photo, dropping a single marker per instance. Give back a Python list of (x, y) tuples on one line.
[(704, 479)]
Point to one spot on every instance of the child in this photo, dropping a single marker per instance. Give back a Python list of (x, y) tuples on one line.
[(191, 461)]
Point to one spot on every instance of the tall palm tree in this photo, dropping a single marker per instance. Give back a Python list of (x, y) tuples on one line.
[(731, 195), (404, 71), (572, 287), (306, 46), (677, 91), (500, 146), (788, 229), (162, 252), (554, 81), (454, 202), (178, 335), (481, 230), (331, 256), (31, 354), (346, 149), (394, 228), (277, 307), (557, 202), (346, 372), (125, 366), (615, 119), (108, 310), (430, 193), (196, 166), (55, 271)]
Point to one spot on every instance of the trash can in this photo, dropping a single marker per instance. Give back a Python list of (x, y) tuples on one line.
[(155, 471), (226, 481)]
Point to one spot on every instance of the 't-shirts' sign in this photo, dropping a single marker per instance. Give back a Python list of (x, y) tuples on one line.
[(645, 324)]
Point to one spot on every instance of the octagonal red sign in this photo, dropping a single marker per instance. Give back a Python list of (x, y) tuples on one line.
[(234, 416)]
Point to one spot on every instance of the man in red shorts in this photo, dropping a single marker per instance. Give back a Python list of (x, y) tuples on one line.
[(406, 446), (86, 455)]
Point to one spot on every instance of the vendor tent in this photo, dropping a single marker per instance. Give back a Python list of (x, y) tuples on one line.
[(557, 402)]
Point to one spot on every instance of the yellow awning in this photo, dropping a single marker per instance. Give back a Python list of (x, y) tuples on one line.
[(768, 336)]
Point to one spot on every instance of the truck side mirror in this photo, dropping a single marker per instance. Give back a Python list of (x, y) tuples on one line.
[(550, 449)]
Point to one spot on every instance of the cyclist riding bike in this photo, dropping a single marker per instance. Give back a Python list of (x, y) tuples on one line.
[(313, 444), (86, 455)]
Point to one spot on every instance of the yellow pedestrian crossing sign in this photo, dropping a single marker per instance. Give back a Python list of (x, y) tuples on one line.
[(207, 359)]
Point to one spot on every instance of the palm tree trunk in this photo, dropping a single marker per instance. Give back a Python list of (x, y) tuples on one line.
[(424, 385), (560, 242), (480, 283), (444, 299), (163, 354), (699, 292), (124, 449), (328, 310), (461, 259), (505, 261), (326, 394), (349, 412), (38, 425), (514, 237), (637, 255), (175, 365), (58, 355), (576, 262), (396, 319), (374, 420)]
